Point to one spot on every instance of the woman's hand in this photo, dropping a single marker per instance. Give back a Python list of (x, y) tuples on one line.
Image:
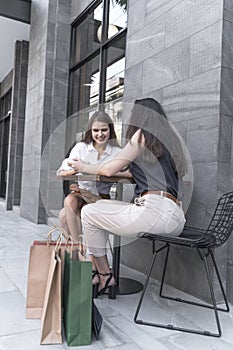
[(66, 173), (77, 165)]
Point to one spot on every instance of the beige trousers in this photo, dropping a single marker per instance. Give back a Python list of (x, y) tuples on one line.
[(152, 213)]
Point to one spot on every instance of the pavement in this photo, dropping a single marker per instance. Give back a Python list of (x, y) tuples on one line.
[(119, 332)]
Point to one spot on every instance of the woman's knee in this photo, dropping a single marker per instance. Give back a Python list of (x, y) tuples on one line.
[(71, 203), (86, 216), (86, 211)]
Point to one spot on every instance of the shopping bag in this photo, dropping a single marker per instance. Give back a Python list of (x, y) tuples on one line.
[(51, 318), (77, 301), (39, 262), (97, 320)]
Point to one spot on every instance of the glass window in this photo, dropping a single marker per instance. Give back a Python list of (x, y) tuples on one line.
[(84, 86), (115, 80), (98, 65), (114, 110), (5, 104), (115, 72), (85, 35), (117, 19), (5, 108), (117, 16)]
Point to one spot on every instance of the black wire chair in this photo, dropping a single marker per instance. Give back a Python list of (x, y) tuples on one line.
[(204, 242)]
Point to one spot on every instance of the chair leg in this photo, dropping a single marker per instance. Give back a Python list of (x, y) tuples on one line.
[(212, 297), (220, 283), (169, 326), (196, 303), (164, 271), (144, 290)]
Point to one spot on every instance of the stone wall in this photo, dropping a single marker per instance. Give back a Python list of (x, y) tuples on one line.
[(46, 106), (16, 139), (179, 53), (175, 56), (225, 168), (178, 62)]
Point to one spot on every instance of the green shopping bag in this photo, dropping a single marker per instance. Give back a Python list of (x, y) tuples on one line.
[(77, 301)]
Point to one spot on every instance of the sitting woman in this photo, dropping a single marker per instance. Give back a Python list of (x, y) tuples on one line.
[(156, 161), (98, 145)]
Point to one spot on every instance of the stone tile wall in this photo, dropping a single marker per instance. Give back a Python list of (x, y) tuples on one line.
[(15, 152), (180, 52), (34, 111), (225, 160), (46, 107), (174, 55)]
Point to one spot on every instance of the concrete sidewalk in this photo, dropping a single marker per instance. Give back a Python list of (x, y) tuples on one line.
[(119, 331)]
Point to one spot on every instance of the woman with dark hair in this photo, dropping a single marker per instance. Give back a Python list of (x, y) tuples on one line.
[(156, 160)]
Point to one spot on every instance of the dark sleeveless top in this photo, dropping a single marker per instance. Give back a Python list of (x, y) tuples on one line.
[(159, 175)]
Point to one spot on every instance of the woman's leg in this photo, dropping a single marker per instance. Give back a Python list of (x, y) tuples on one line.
[(97, 220), (102, 217), (155, 214), (106, 279), (63, 222), (103, 268), (72, 207), (95, 276), (128, 220)]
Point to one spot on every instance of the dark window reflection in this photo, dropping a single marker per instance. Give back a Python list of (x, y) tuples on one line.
[(98, 66), (84, 85), (115, 70), (5, 104), (85, 35)]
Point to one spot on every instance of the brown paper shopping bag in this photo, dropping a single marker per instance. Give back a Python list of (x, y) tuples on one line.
[(51, 318), (39, 262)]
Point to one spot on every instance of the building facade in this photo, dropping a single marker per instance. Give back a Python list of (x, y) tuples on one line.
[(83, 54)]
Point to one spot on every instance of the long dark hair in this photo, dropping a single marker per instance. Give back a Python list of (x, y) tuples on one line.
[(148, 115), (103, 117)]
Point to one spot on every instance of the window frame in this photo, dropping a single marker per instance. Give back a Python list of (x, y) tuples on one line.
[(101, 50)]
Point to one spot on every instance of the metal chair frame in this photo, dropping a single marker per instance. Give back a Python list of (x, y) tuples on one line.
[(204, 242)]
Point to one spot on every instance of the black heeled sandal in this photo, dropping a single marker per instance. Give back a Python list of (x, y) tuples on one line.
[(111, 289), (95, 286)]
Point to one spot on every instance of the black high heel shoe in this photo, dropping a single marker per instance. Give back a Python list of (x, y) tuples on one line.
[(111, 289), (95, 286)]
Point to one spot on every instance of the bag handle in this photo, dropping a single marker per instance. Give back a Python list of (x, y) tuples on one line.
[(63, 233), (65, 237)]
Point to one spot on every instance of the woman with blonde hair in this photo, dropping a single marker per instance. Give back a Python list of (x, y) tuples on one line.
[(98, 145)]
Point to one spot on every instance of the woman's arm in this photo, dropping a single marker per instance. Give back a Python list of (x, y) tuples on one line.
[(114, 166), (125, 173), (65, 168)]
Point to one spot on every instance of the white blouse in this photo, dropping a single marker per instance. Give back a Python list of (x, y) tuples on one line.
[(88, 153)]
